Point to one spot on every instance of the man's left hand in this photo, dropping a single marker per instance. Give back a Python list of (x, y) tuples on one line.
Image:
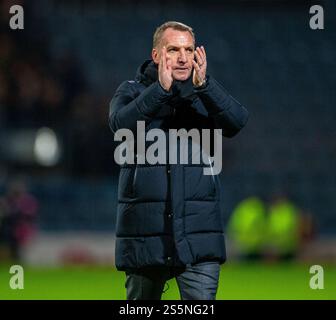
[(200, 67)]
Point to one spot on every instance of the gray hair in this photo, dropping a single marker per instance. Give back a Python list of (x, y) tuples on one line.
[(170, 24)]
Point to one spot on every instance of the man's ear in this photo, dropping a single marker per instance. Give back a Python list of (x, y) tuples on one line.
[(155, 55)]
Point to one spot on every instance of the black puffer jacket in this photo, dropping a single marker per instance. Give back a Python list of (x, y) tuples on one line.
[(170, 214)]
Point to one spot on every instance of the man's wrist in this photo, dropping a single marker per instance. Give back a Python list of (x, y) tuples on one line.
[(163, 88), (202, 84)]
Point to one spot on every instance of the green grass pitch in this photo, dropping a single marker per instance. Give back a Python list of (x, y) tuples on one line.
[(237, 281)]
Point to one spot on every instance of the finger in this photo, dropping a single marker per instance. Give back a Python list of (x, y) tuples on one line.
[(164, 58), (161, 62), (201, 53), (198, 57), (169, 64), (204, 55), (196, 66), (168, 61)]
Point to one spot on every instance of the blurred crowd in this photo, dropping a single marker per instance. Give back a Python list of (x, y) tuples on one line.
[(39, 90), (274, 230), (18, 212)]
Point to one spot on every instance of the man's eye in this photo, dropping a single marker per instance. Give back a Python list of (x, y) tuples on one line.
[(171, 50), (190, 50)]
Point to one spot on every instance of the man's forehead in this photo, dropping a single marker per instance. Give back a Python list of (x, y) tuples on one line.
[(177, 38)]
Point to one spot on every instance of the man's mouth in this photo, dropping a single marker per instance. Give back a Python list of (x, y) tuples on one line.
[(181, 68)]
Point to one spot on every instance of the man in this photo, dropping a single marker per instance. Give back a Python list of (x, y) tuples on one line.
[(169, 219)]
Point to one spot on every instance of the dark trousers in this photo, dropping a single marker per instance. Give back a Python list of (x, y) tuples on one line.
[(195, 282)]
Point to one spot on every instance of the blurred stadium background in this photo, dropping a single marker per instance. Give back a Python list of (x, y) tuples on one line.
[(57, 77)]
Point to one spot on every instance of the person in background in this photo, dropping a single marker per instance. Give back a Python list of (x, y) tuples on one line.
[(18, 210), (283, 226), (247, 228)]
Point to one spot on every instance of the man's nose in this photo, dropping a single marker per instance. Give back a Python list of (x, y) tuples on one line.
[(182, 56)]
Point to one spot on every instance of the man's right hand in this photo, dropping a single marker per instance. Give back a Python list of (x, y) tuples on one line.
[(165, 70)]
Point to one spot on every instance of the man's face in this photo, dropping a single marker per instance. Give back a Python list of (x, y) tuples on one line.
[(180, 51)]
